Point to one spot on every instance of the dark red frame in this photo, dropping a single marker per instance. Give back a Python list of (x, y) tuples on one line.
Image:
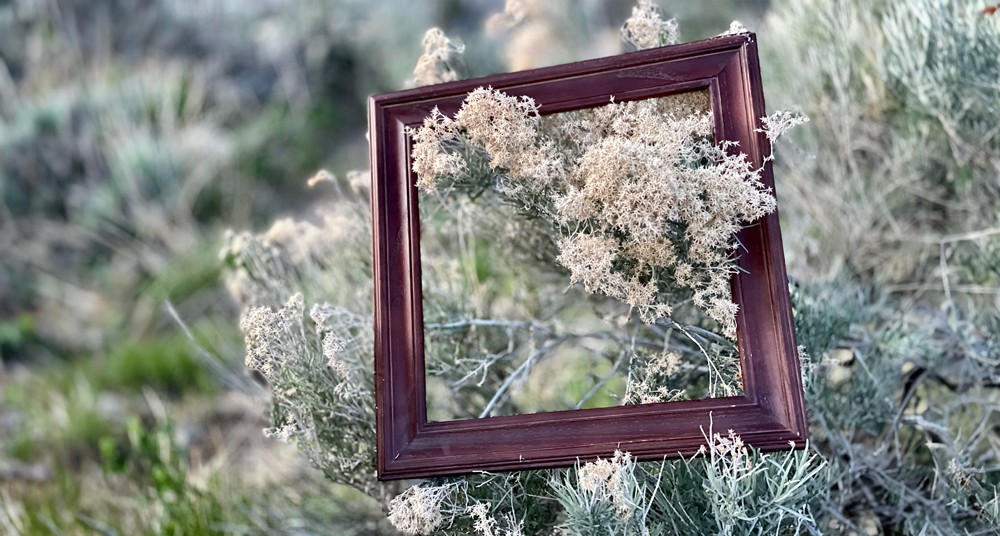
[(769, 415)]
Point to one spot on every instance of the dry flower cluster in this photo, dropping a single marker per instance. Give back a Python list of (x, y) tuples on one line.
[(439, 62), (606, 479), (640, 192), (740, 490), (514, 12), (778, 123), (735, 28), (506, 127), (647, 29), (646, 386), (486, 525), (418, 509), (268, 339), (731, 445), (317, 358)]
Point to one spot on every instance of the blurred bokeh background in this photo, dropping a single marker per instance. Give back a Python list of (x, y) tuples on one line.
[(135, 133)]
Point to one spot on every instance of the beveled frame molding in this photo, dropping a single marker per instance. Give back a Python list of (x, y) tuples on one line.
[(769, 415)]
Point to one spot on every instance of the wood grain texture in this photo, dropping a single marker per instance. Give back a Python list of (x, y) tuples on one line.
[(769, 415)]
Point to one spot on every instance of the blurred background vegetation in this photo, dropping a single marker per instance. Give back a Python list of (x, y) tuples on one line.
[(134, 133)]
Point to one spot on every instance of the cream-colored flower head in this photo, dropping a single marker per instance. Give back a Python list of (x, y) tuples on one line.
[(267, 335), (730, 444), (418, 509), (507, 128), (606, 479), (437, 64), (648, 387), (735, 28), (431, 157), (777, 124), (647, 29)]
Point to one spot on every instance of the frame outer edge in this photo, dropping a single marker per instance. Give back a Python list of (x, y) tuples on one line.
[(402, 457), (378, 343), (796, 418)]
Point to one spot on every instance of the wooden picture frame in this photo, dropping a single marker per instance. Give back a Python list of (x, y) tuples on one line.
[(769, 415)]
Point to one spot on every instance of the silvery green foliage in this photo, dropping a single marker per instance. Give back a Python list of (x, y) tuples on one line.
[(898, 185), (316, 356), (941, 58), (730, 491), (319, 368), (753, 493), (129, 131), (898, 164), (901, 402)]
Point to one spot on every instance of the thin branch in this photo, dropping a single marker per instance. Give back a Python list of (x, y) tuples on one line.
[(535, 354), (960, 237), (603, 381)]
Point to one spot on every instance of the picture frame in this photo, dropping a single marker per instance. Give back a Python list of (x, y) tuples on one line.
[(769, 415)]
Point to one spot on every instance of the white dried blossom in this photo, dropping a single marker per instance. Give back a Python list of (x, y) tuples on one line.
[(735, 28), (607, 479), (632, 178), (589, 259), (332, 346), (320, 314), (267, 336), (647, 29), (487, 525), (507, 128), (431, 159), (659, 252), (281, 433), (484, 523), (648, 386), (778, 123), (573, 205), (324, 257), (437, 64), (418, 509), (960, 476), (731, 445)]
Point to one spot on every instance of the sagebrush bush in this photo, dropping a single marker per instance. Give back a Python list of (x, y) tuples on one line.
[(891, 196)]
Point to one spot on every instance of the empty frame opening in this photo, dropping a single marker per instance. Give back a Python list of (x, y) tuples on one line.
[(581, 259)]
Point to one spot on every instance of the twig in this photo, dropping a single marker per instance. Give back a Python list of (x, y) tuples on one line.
[(517, 372), (604, 380), (229, 378), (708, 358), (944, 275), (704, 333), (962, 289), (960, 237), (486, 322)]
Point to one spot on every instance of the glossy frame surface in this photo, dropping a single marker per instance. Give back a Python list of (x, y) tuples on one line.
[(769, 415)]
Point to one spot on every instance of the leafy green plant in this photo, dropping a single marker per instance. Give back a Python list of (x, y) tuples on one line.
[(167, 364)]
